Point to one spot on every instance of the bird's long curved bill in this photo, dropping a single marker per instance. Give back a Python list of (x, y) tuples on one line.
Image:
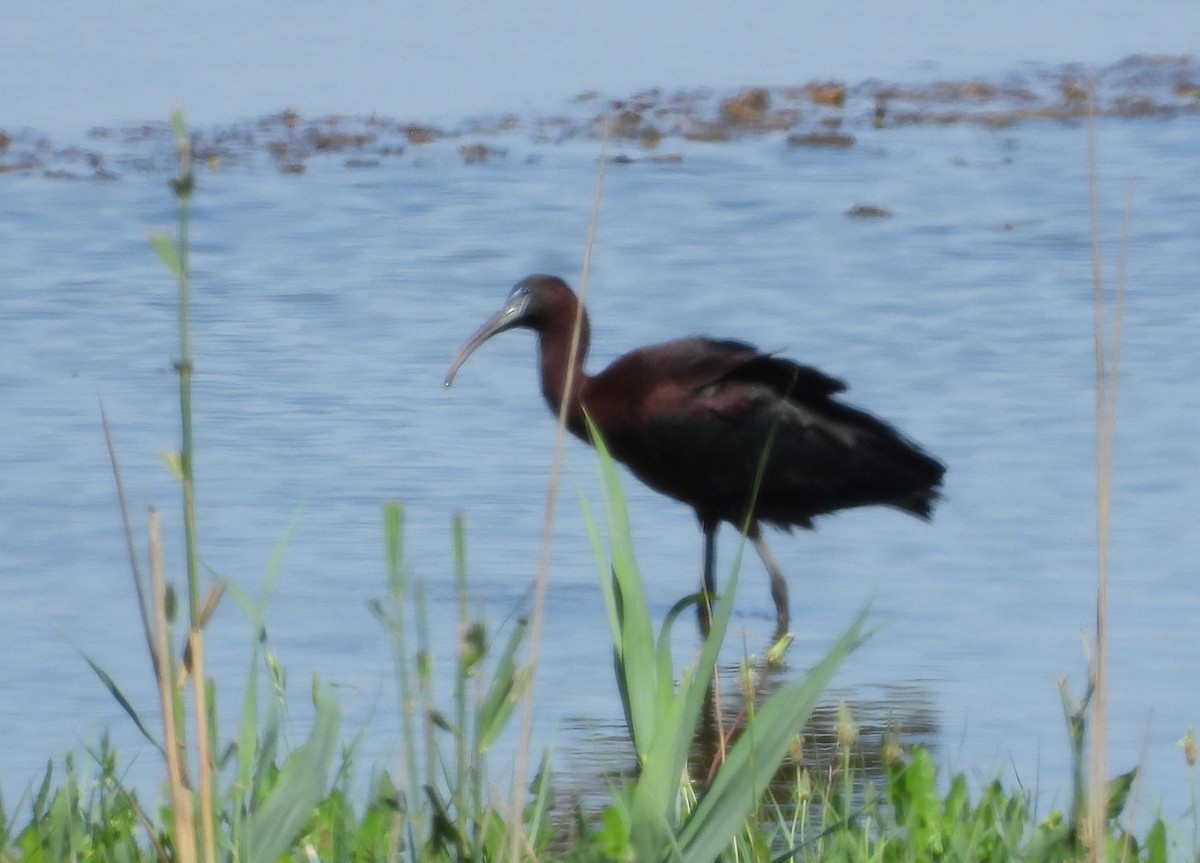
[(503, 320)]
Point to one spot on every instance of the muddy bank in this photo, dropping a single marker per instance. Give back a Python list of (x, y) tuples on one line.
[(649, 126)]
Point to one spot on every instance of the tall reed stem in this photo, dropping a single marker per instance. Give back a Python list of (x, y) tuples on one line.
[(175, 256), (1107, 358), (182, 188)]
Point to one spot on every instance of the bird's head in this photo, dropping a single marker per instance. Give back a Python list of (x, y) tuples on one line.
[(529, 304)]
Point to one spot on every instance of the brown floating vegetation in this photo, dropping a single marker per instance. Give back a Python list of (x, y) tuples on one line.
[(821, 113), (477, 154), (868, 211), (747, 108), (836, 140), (831, 93)]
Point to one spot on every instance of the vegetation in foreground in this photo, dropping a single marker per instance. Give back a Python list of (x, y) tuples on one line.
[(440, 805), (243, 798)]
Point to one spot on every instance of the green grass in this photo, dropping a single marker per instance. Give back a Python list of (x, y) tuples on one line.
[(245, 798)]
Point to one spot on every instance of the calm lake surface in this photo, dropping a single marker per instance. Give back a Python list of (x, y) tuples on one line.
[(328, 305)]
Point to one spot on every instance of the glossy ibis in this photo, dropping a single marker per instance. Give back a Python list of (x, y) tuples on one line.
[(698, 419)]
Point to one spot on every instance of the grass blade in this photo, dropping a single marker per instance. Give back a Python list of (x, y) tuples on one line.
[(116, 693), (507, 686), (633, 637)]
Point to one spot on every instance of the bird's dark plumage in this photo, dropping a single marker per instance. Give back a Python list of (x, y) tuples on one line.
[(738, 435)]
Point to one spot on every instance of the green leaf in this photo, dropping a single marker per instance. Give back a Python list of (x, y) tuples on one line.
[(179, 125), (248, 750), (300, 786), (439, 720), (393, 532), (504, 692), (778, 649), (167, 253), (539, 826), (633, 637), (174, 463), (39, 800), (1118, 793), (612, 837), (1156, 842)]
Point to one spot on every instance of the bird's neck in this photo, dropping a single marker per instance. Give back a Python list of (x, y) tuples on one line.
[(556, 362)]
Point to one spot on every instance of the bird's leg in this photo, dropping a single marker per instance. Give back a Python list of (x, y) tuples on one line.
[(708, 583), (779, 588)]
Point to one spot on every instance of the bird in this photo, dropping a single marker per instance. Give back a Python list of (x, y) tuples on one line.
[(742, 436)]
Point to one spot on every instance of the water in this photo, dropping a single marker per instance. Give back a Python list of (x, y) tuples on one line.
[(327, 307)]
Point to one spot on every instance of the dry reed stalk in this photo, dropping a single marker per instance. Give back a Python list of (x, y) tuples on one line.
[(144, 612), (543, 573), (1107, 364), (130, 545), (143, 819), (181, 795), (208, 834), (194, 666)]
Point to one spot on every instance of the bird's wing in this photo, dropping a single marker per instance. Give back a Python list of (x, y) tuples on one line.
[(698, 416), (787, 378), (699, 362), (700, 379)]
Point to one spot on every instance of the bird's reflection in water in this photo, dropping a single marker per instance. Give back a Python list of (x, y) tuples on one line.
[(871, 720)]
